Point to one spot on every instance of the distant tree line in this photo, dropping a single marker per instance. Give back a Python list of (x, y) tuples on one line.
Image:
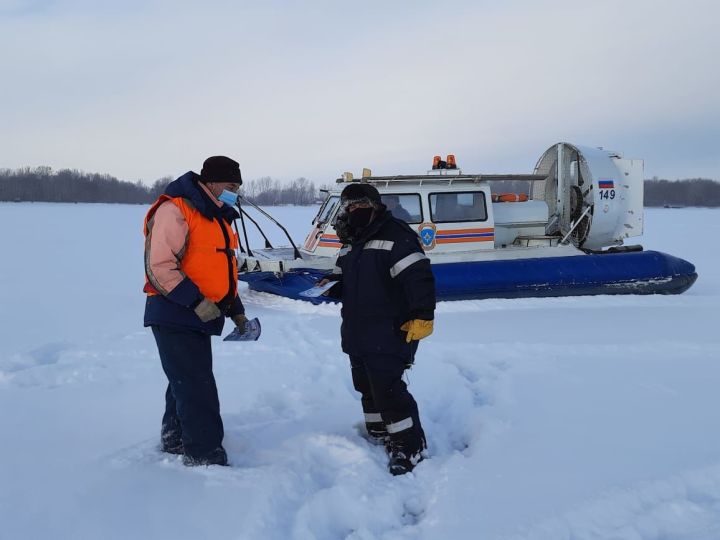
[(692, 192), (269, 192), (42, 184)]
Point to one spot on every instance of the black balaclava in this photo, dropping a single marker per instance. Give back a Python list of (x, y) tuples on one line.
[(342, 227), (359, 218), (349, 225)]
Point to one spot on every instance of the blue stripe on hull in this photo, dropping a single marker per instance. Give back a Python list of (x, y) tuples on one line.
[(639, 272)]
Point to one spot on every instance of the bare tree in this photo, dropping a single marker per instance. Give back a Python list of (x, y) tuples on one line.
[(72, 185)]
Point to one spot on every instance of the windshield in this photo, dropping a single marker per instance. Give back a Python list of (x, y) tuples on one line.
[(326, 210)]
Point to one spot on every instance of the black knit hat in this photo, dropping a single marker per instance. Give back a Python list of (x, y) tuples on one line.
[(360, 190), (220, 169)]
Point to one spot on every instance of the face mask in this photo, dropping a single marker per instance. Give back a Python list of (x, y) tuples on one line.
[(228, 197), (360, 217)]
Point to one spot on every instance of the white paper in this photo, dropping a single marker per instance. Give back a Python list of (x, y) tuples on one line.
[(317, 290)]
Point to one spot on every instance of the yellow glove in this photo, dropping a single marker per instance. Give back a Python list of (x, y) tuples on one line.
[(417, 329)]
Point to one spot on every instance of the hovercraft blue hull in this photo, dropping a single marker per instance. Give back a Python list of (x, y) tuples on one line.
[(622, 272)]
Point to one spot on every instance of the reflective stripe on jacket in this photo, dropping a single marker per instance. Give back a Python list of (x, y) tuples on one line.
[(385, 280)]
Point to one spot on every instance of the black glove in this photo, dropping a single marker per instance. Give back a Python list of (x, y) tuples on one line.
[(240, 319)]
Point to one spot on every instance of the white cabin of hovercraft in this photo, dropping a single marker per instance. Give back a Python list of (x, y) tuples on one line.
[(577, 200), (593, 199)]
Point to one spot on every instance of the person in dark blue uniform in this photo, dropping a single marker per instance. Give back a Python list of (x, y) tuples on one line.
[(388, 302)]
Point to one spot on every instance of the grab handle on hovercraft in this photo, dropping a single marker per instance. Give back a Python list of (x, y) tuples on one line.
[(296, 252)]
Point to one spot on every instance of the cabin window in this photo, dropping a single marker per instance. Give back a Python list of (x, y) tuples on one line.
[(404, 206), (458, 206), (326, 210)]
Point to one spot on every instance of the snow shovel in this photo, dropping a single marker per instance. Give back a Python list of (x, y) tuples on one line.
[(251, 332)]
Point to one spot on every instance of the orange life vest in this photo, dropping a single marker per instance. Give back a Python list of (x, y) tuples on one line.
[(209, 257)]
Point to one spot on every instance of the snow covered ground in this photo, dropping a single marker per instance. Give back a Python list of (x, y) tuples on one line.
[(559, 418)]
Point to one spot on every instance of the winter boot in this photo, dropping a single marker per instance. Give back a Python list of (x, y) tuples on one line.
[(401, 463), (403, 460), (377, 433), (171, 443), (215, 457), (172, 448)]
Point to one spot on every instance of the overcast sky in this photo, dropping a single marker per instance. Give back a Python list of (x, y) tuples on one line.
[(145, 89)]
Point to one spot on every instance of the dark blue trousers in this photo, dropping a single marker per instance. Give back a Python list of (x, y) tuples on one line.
[(192, 409), (379, 379)]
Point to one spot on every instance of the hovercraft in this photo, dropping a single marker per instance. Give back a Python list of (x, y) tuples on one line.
[(556, 232)]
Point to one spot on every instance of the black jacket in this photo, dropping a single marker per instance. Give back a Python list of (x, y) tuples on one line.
[(385, 281)]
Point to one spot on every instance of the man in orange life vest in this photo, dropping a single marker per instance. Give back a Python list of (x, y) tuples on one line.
[(191, 286)]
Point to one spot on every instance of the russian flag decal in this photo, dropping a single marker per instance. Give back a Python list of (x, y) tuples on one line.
[(606, 184)]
